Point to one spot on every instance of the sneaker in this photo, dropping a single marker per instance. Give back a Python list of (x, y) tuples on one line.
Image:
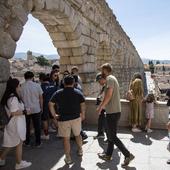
[(38, 145), (45, 137), (80, 152), (105, 142), (26, 144), (149, 130), (68, 160), (83, 135), (23, 164), (104, 157), (127, 160), (2, 162), (168, 161), (50, 129), (99, 136), (136, 130)]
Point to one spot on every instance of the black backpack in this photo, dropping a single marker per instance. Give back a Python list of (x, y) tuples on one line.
[(4, 118)]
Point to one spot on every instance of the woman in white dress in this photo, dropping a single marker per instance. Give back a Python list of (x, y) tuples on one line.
[(15, 130)]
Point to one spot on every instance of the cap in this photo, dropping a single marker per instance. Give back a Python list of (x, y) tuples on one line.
[(99, 76)]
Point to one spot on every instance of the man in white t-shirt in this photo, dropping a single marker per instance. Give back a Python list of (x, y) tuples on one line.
[(31, 94)]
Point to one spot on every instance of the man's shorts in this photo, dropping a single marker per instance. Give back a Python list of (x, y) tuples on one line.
[(65, 127)]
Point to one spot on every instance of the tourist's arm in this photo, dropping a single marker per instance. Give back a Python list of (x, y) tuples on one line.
[(41, 102), (17, 113), (51, 106), (13, 107), (83, 109)]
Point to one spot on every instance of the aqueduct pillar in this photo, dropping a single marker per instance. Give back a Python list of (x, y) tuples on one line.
[(84, 32)]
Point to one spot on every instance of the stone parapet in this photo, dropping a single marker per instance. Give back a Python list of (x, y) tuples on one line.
[(159, 121)]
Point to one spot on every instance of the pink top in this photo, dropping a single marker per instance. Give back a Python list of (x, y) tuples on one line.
[(149, 109)]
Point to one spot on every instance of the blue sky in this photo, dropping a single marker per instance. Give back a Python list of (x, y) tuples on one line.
[(146, 22)]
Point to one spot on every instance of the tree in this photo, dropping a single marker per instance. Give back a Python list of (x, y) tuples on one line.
[(157, 62), (151, 66), (42, 61), (163, 68)]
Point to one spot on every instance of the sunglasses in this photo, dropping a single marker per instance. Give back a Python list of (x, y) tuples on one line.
[(55, 75)]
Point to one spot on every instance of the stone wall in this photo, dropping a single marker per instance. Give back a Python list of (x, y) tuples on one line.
[(85, 33), (160, 120)]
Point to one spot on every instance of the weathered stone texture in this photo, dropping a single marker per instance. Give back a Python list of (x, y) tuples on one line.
[(85, 33), (4, 70), (19, 12), (2, 89), (7, 45), (15, 29)]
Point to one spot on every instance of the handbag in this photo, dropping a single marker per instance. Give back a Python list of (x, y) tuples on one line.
[(4, 118), (129, 95)]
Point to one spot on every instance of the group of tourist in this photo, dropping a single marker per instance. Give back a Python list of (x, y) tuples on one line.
[(27, 105), (62, 103)]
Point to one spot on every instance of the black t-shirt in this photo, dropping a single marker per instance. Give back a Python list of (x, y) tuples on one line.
[(48, 91), (68, 101)]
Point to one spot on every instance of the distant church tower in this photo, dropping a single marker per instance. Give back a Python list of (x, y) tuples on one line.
[(30, 58)]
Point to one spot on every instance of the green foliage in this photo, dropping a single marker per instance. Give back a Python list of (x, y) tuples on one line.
[(42, 61), (150, 62), (157, 62), (151, 66)]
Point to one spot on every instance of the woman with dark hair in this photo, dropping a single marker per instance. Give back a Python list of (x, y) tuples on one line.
[(54, 78), (65, 73), (15, 130), (136, 87)]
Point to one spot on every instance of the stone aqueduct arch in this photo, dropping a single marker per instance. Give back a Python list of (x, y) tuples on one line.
[(85, 33)]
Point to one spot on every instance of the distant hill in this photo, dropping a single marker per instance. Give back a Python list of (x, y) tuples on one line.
[(146, 61), (23, 55)]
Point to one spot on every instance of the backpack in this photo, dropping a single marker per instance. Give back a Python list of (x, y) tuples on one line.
[(4, 118), (129, 95)]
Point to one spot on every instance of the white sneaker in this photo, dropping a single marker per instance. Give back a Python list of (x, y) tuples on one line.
[(149, 131), (2, 162), (23, 164), (45, 137), (68, 160), (80, 152), (136, 130), (50, 129)]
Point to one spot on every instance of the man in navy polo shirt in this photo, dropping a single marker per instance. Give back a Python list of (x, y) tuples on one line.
[(71, 111)]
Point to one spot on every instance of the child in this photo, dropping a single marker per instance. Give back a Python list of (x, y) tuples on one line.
[(101, 119), (150, 100)]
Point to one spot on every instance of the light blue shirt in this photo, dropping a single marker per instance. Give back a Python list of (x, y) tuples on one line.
[(30, 94)]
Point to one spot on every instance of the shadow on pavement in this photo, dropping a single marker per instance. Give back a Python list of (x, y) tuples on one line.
[(142, 138), (76, 165), (111, 165)]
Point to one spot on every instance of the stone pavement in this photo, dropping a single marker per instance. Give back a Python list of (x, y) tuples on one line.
[(150, 152)]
